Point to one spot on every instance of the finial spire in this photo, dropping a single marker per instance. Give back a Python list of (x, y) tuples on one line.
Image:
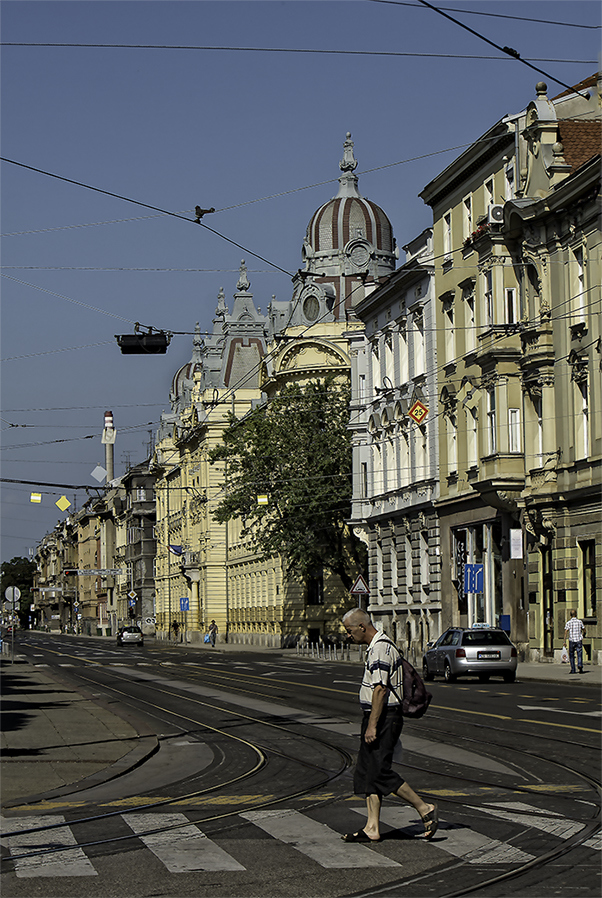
[(221, 309), (197, 343), (348, 162), (243, 280)]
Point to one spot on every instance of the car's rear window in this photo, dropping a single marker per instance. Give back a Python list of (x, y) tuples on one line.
[(485, 637), (132, 630)]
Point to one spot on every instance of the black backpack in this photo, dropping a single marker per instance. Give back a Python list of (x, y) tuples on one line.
[(416, 699)]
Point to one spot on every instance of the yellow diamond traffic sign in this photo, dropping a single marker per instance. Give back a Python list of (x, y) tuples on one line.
[(63, 503), (418, 412)]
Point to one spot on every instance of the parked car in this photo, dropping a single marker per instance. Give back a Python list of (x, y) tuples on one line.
[(130, 636), (479, 651)]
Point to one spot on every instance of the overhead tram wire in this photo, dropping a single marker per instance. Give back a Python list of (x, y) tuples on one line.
[(494, 15), (292, 50), (509, 51), (147, 206), (260, 199)]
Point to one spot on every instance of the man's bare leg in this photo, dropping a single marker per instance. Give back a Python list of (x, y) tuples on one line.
[(372, 827), (424, 809)]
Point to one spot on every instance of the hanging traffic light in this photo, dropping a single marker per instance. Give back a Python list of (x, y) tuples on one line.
[(150, 342)]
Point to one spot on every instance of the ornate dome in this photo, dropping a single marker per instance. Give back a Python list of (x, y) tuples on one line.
[(349, 218), (183, 380)]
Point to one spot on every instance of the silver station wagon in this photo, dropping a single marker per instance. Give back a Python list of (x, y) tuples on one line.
[(479, 651), (130, 636)]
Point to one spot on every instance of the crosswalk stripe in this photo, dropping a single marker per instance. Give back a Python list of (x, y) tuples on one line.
[(560, 827), (316, 840), (182, 850), (595, 842), (70, 862), (473, 847)]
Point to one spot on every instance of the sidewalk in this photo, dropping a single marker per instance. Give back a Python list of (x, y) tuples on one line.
[(57, 740)]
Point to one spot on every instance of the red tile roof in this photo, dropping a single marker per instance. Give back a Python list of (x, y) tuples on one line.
[(581, 140), (591, 81)]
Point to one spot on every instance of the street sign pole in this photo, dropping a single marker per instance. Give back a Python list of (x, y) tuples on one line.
[(12, 594)]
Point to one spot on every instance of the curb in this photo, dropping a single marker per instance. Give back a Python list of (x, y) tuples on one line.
[(135, 758)]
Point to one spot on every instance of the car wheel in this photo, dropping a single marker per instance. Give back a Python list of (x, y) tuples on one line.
[(449, 676), (426, 674), (510, 677), (484, 678)]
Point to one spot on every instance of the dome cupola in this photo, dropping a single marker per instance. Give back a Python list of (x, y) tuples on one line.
[(183, 380), (349, 234)]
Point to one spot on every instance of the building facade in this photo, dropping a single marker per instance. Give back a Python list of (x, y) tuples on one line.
[(499, 292), (210, 568), (395, 465)]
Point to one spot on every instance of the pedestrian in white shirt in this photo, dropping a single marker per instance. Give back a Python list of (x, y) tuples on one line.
[(575, 631)]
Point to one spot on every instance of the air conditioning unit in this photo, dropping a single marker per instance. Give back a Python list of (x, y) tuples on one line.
[(495, 214)]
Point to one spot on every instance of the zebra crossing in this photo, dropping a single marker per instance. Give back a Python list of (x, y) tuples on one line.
[(182, 847)]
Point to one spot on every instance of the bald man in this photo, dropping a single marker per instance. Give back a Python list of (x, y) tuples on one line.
[(380, 700)]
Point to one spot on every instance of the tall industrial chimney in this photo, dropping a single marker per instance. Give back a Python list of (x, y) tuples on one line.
[(108, 438)]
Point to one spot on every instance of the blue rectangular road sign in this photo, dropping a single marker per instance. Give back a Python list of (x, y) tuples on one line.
[(473, 578), (184, 604)]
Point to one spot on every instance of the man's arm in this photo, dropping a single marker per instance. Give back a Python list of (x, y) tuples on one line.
[(379, 698)]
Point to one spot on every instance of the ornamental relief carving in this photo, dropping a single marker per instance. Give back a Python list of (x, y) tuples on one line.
[(312, 355)]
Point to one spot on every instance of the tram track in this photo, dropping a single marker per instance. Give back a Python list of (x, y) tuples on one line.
[(590, 827), (264, 753), (432, 730)]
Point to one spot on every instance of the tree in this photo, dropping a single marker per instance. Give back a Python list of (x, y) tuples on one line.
[(19, 572), (296, 450)]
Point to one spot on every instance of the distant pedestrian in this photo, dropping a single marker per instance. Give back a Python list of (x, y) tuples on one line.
[(176, 629), (575, 631), (212, 632), (381, 728)]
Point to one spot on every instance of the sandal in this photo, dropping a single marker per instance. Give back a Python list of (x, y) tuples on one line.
[(358, 837), (431, 823)]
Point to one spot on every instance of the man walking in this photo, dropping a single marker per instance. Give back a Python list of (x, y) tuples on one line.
[(575, 630), (213, 632), (380, 700)]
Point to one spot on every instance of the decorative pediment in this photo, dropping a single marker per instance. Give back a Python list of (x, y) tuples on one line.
[(312, 354)]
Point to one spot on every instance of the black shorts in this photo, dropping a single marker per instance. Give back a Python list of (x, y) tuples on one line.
[(373, 773)]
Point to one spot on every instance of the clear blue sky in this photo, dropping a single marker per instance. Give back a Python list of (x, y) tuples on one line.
[(224, 128)]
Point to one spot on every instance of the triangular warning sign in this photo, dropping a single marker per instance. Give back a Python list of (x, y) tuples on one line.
[(360, 587)]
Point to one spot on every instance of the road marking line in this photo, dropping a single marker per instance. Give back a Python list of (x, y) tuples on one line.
[(561, 711), (184, 849), (474, 847), (595, 842), (562, 828), (316, 840), (70, 862)]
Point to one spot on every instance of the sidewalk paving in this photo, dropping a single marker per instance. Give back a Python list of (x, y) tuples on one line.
[(57, 740)]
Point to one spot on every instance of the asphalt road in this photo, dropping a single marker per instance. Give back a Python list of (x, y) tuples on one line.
[(252, 786)]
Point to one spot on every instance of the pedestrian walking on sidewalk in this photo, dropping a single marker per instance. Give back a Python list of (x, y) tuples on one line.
[(575, 631), (212, 632), (381, 728)]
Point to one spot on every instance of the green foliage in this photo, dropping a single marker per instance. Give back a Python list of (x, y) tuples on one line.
[(296, 450), (19, 572)]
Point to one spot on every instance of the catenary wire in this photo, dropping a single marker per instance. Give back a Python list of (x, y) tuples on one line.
[(147, 206), (507, 50), (292, 50), (495, 15)]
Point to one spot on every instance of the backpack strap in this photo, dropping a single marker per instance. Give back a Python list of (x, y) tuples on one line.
[(397, 696)]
